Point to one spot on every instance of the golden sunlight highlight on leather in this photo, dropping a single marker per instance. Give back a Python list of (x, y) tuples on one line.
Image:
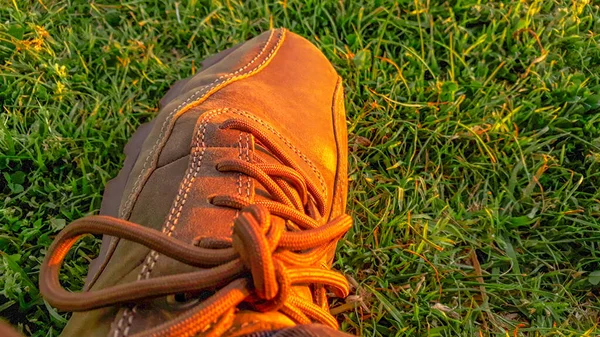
[(258, 266)]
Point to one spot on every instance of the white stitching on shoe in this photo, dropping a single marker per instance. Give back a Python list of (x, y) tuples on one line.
[(129, 201), (197, 156), (171, 121), (125, 211), (248, 179), (120, 323), (182, 194)]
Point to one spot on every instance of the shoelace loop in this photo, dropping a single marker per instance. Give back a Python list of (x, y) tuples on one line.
[(276, 244)]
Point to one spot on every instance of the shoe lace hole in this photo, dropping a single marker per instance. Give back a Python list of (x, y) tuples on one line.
[(186, 300), (181, 300)]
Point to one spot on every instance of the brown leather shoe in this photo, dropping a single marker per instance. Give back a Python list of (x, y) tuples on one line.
[(232, 204)]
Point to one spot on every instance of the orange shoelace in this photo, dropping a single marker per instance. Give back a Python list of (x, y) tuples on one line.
[(258, 266)]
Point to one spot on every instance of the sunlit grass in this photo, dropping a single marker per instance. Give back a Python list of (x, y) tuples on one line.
[(474, 140)]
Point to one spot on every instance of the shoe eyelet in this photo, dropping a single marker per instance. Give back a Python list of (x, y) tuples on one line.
[(211, 199), (181, 300)]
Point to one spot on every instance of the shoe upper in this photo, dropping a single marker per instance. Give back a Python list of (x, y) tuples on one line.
[(233, 149)]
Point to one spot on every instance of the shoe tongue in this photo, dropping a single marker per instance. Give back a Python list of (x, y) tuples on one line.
[(261, 154)]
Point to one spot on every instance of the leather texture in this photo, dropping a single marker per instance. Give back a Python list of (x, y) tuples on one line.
[(277, 80)]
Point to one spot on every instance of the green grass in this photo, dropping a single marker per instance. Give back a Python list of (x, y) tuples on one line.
[(474, 133)]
